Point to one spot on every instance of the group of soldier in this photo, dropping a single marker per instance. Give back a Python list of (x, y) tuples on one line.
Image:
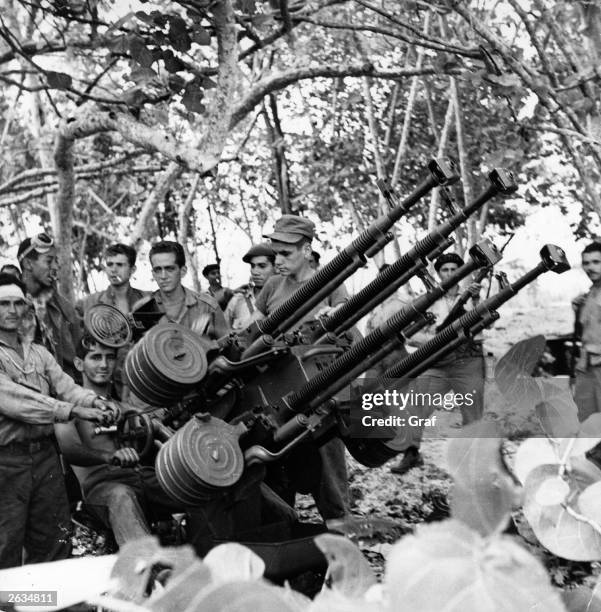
[(48, 421)]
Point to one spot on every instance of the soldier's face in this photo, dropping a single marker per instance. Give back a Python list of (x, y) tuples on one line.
[(12, 310), (260, 270), (118, 270), (98, 365), (43, 269), (591, 264), (165, 271), (446, 270), (290, 258)]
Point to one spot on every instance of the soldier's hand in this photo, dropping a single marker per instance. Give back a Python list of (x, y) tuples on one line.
[(96, 415), (110, 407), (474, 289), (125, 457), (578, 301)]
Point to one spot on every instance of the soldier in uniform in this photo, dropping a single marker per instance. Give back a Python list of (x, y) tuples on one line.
[(36, 394), (119, 265), (587, 306), (199, 312), (291, 242), (222, 294), (116, 489), (461, 371), (239, 311), (56, 325)]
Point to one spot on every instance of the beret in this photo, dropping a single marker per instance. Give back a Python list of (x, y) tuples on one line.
[(210, 268), (446, 258), (257, 250)]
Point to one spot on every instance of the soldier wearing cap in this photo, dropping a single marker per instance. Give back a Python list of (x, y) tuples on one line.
[(56, 324), (222, 294), (291, 243), (462, 371), (241, 307)]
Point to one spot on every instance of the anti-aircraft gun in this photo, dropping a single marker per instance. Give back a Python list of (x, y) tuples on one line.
[(254, 399)]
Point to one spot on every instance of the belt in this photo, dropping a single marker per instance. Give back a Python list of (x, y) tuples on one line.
[(19, 447)]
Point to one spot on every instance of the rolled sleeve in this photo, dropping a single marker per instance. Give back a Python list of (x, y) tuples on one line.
[(24, 404)]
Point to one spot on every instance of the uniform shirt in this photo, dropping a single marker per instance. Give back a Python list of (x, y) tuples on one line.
[(54, 323), (278, 289), (590, 319), (239, 311), (198, 312), (27, 410), (108, 297)]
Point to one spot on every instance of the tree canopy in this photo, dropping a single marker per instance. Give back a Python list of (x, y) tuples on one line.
[(117, 122)]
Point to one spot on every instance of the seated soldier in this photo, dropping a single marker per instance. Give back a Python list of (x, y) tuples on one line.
[(115, 488)]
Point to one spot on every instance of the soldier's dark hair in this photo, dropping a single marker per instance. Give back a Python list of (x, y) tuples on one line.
[(10, 279), (87, 344), (169, 246), (122, 249), (592, 247), (11, 269)]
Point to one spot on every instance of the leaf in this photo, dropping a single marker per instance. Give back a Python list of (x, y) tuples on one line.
[(192, 98), (176, 83), (558, 531), (589, 502), (558, 413), (582, 599), (512, 373), (591, 428), (208, 83), (242, 596), (531, 454), (447, 566), (349, 572), (552, 491), (201, 36), (58, 80), (484, 492), (136, 562), (145, 17), (140, 52), (172, 63), (181, 589), (522, 356), (234, 561), (178, 34)]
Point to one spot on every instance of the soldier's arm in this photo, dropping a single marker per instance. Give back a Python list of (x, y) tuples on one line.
[(24, 404), (74, 450)]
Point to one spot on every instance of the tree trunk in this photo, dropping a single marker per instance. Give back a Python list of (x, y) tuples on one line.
[(183, 230)]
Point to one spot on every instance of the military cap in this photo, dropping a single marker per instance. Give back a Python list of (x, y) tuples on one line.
[(292, 228), (257, 250), (446, 258), (209, 268)]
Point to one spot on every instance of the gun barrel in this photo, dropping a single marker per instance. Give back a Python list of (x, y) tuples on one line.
[(359, 352), (401, 271), (352, 257), (553, 258)]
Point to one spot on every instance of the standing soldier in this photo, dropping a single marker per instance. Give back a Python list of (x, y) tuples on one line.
[(587, 306), (461, 371), (56, 325), (196, 311), (241, 307), (34, 511), (291, 242), (222, 294), (119, 265)]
